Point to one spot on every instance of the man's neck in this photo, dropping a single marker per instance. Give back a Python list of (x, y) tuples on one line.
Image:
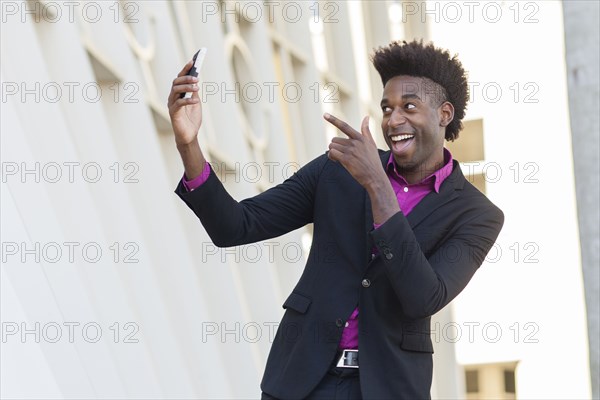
[(421, 172)]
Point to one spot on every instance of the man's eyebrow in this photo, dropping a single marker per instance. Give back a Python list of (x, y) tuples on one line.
[(411, 96), (408, 96)]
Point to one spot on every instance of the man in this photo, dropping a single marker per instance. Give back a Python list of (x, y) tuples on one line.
[(397, 234)]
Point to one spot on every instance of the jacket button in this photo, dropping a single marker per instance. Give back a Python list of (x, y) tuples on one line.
[(366, 283), (389, 256), (339, 322)]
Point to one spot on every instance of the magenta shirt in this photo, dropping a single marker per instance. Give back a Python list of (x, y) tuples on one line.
[(408, 195)]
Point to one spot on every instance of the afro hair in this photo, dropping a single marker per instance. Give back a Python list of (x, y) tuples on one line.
[(434, 64)]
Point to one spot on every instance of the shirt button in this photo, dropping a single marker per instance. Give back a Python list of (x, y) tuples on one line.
[(339, 322), (372, 256), (366, 283), (347, 325), (405, 189)]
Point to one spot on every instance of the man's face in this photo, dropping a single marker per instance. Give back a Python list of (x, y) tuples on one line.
[(413, 126)]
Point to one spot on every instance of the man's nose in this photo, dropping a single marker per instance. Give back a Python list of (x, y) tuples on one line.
[(396, 119)]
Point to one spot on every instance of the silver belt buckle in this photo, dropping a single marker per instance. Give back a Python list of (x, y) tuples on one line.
[(349, 359)]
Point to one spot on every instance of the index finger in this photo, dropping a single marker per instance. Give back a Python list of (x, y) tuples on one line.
[(342, 126), (185, 69)]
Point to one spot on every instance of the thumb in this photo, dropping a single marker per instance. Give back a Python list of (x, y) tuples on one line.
[(364, 128)]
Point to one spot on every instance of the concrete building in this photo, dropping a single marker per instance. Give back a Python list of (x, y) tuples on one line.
[(110, 287)]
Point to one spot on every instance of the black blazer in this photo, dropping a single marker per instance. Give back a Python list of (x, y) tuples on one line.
[(424, 261)]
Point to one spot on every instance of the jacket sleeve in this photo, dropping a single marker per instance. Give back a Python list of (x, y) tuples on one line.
[(425, 285), (278, 210)]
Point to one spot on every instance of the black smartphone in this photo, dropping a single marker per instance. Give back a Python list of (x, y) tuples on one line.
[(198, 59)]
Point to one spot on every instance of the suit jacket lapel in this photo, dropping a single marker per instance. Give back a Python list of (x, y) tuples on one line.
[(434, 200)]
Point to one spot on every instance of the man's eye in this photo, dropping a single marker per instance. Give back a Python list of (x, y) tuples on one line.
[(410, 106), (386, 109)]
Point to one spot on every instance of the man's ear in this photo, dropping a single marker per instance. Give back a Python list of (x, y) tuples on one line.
[(446, 113)]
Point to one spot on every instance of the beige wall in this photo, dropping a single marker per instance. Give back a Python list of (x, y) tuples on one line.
[(179, 318)]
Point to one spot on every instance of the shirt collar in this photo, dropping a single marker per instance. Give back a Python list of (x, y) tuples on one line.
[(434, 180)]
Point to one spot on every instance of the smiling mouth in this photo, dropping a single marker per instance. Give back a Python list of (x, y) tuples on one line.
[(401, 143), (399, 138)]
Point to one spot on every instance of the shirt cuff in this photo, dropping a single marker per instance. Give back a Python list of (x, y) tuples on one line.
[(199, 180)]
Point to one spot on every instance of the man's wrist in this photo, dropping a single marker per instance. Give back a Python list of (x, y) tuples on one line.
[(193, 159), (379, 185), (384, 203), (186, 146)]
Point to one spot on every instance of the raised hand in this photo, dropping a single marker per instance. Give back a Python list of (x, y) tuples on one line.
[(186, 114), (357, 153)]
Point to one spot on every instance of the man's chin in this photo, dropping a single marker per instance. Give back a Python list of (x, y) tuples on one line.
[(404, 165)]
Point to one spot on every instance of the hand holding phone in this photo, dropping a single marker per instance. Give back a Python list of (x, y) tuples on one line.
[(198, 59)]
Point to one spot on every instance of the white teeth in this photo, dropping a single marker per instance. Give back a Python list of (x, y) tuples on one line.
[(401, 137)]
